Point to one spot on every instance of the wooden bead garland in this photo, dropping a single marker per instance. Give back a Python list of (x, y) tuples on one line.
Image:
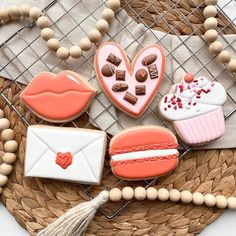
[(174, 195), (10, 147), (211, 35), (43, 23)]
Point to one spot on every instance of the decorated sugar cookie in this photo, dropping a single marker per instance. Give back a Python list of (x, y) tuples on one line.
[(69, 154), (143, 152), (131, 87), (58, 98), (194, 106)]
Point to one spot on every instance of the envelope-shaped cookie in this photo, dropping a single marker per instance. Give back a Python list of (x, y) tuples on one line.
[(68, 154)]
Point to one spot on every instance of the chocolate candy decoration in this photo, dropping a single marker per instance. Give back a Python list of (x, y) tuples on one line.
[(108, 70), (153, 72), (140, 89), (114, 59), (129, 97), (149, 59), (120, 75), (120, 87), (141, 75)]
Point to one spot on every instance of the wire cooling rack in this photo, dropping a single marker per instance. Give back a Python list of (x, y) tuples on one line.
[(12, 58)]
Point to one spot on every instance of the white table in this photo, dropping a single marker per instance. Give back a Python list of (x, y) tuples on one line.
[(225, 225)]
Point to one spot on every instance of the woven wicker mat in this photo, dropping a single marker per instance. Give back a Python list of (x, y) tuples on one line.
[(35, 202)]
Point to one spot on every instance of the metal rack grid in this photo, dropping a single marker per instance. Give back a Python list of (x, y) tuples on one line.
[(14, 58)]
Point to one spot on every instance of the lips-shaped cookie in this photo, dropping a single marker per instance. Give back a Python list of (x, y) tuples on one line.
[(58, 98), (138, 81)]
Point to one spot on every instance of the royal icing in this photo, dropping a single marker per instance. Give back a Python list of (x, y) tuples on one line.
[(69, 154), (143, 153), (130, 87), (60, 97), (192, 98)]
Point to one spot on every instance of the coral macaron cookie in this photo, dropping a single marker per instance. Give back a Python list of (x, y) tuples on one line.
[(58, 98), (143, 152), (194, 106)]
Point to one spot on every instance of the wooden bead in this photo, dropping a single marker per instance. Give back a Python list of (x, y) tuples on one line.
[(152, 193), (140, 193), (232, 66), (231, 203), (174, 195), (94, 36), (211, 2), (211, 35), (4, 123), (24, 10), (1, 189), (63, 53), (11, 146), (186, 196), (115, 195), (9, 158), (5, 169), (209, 200), (35, 13), (114, 5), (4, 16), (14, 12), (3, 180), (53, 44), (47, 34), (1, 113), (163, 194), (224, 57), (85, 44), (127, 193), (102, 26), (210, 23), (198, 198), (7, 134), (216, 47), (221, 202), (75, 52), (210, 11), (108, 14), (43, 22)]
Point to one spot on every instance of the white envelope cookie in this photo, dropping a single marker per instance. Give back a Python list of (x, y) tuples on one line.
[(68, 154)]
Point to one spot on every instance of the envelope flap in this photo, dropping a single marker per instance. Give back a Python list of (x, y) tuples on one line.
[(63, 139), (32, 143), (95, 163)]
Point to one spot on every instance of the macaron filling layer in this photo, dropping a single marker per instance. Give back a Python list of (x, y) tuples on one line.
[(144, 154)]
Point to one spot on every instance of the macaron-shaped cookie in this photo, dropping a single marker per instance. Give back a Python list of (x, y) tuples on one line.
[(130, 86), (143, 152), (194, 106), (58, 98)]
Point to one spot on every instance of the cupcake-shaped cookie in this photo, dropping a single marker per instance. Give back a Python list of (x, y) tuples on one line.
[(194, 106)]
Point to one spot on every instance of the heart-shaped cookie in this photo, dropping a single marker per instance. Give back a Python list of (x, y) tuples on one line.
[(131, 87), (58, 98)]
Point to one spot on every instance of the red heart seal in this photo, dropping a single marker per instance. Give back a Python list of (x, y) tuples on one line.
[(131, 87), (58, 98), (64, 159)]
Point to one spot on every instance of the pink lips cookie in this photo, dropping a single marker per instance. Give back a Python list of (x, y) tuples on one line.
[(194, 106), (131, 87), (58, 98)]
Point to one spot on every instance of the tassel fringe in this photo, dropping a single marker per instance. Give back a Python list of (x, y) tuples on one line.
[(75, 221)]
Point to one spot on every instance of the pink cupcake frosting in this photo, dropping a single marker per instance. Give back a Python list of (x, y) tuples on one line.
[(191, 98)]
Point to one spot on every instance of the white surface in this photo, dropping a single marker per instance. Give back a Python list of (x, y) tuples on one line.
[(225, 225)]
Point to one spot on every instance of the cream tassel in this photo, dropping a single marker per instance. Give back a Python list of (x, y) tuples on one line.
[(75, 221)]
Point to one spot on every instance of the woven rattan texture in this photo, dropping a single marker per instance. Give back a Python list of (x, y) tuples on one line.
[(35, 202)]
